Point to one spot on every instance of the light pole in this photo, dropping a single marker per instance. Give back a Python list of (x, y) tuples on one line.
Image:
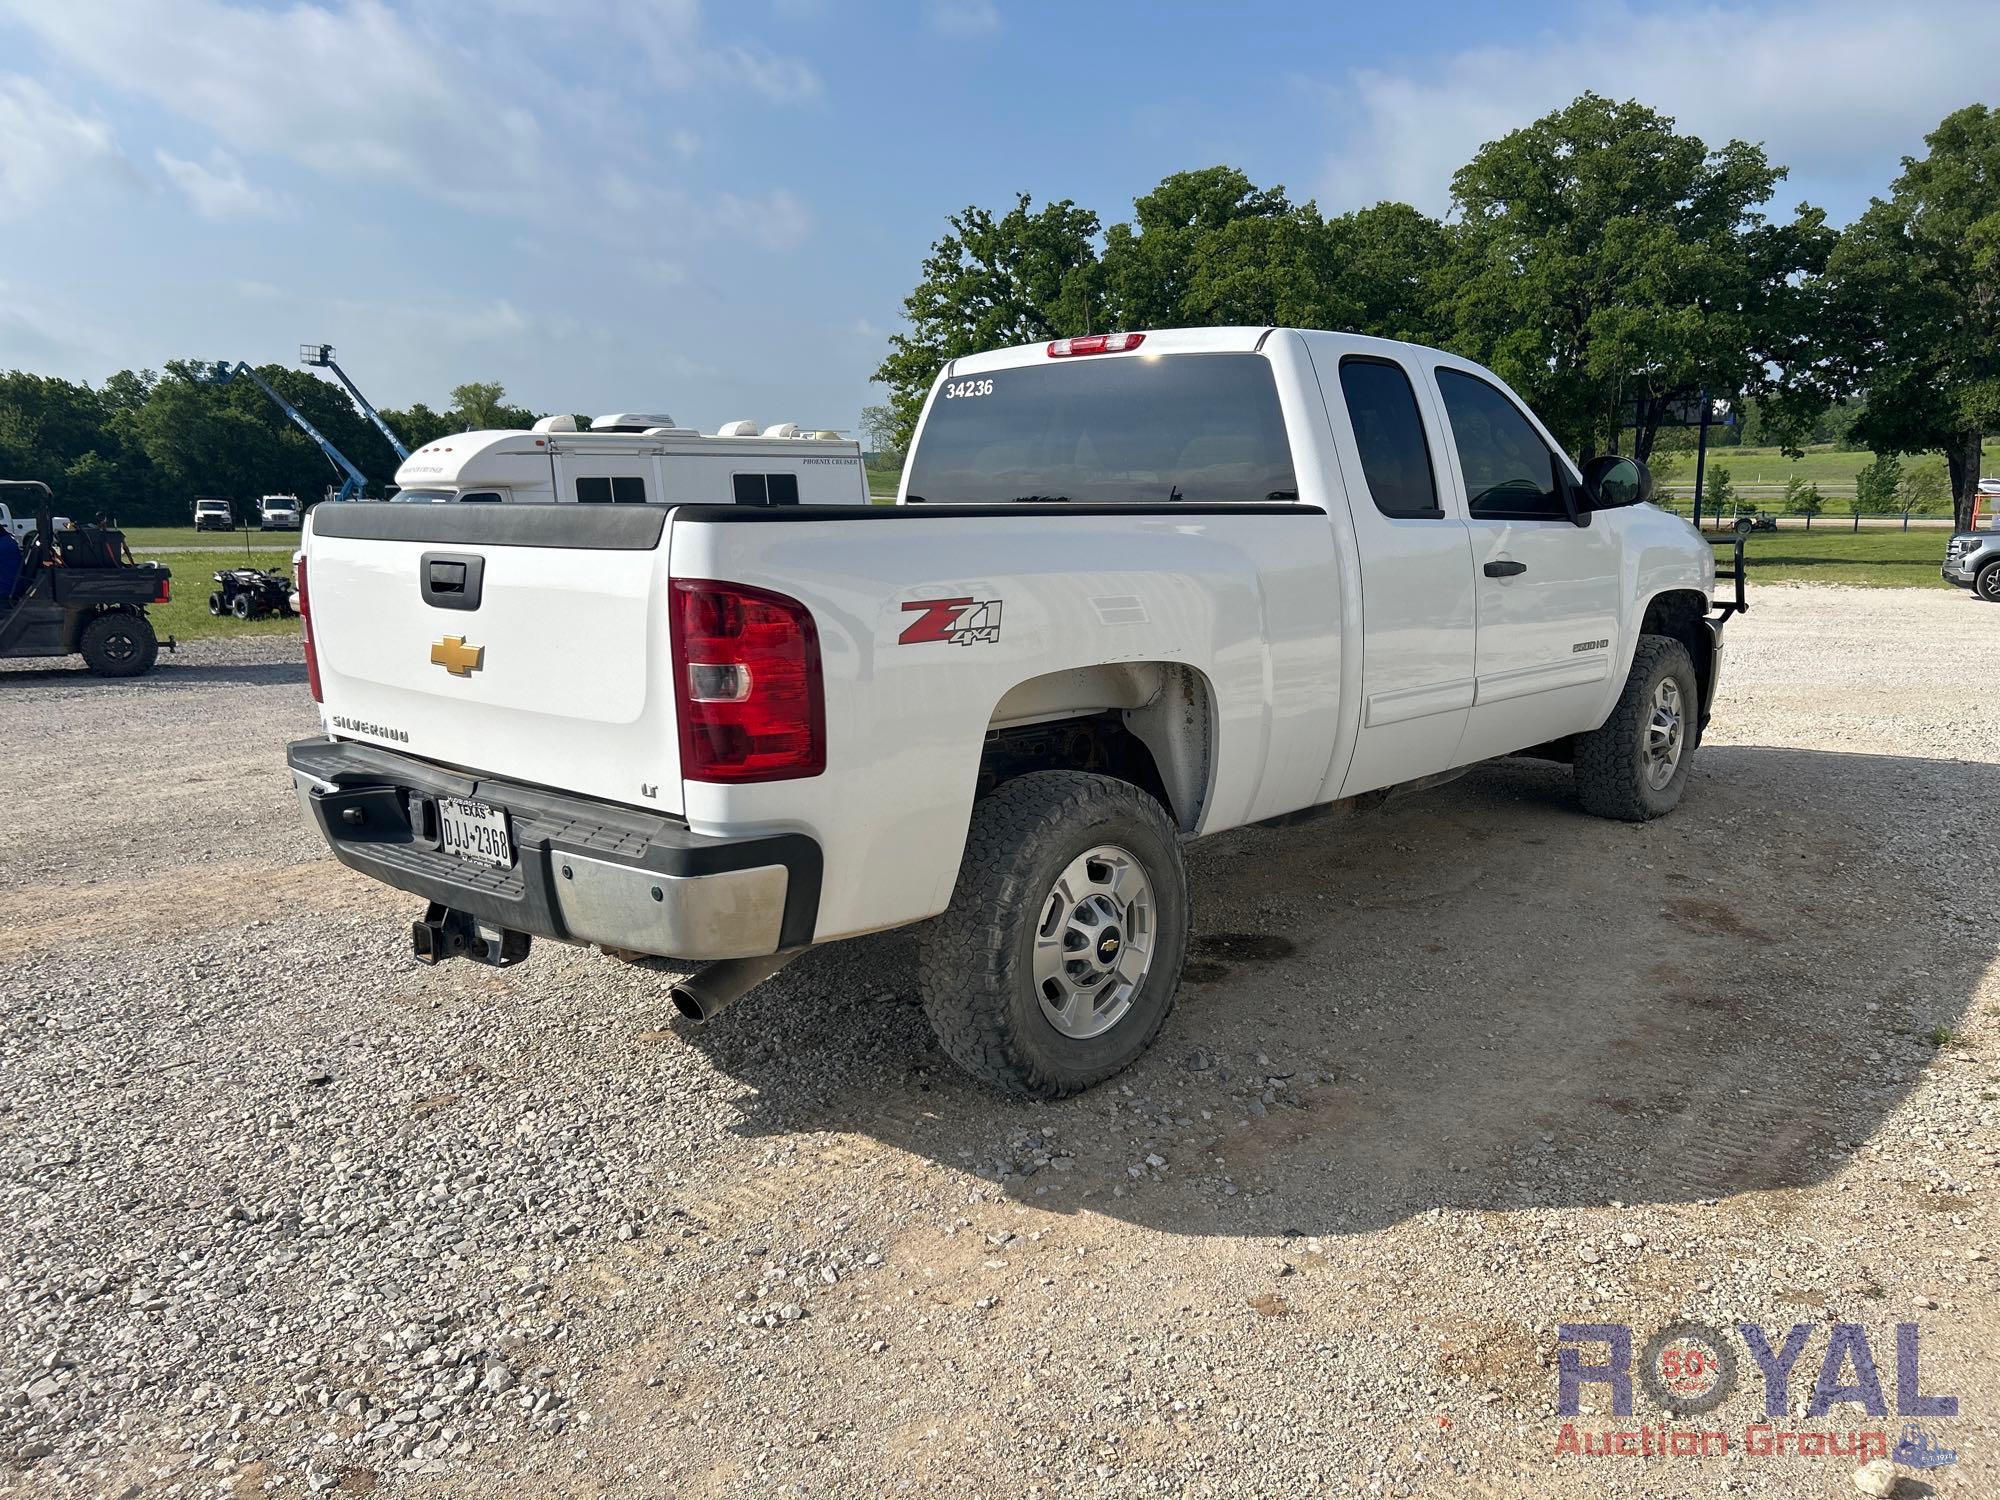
[(1701, 459)]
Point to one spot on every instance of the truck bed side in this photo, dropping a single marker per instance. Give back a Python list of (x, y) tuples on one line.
[(1239, 595)]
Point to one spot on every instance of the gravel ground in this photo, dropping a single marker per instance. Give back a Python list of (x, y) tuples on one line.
[(286, 1213)]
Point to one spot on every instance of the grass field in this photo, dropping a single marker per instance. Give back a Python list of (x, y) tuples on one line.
[(1763, 471), (187, 618), (1880, 559), (146, 540)]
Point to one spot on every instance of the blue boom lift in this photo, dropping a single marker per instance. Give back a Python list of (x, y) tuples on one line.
[(321, 356), (353, 482)]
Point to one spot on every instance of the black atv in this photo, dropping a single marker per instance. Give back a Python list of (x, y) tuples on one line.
[(251, 594)]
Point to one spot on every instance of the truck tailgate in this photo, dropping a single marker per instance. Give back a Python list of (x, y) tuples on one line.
[(547, 664)]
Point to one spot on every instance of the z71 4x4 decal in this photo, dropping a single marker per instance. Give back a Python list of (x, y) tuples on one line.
[(963, 622)]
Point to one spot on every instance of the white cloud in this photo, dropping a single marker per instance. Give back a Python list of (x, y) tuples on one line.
[(46, 147), (662, 272), (462, 96), (962, 20), (776, 220), (220, 190), (782, 80), (1833, 88)]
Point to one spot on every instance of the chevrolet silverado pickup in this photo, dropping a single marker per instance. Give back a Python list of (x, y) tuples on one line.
[(1135, 589)]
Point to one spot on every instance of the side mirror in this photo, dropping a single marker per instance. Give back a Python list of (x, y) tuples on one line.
[(1611, 482)]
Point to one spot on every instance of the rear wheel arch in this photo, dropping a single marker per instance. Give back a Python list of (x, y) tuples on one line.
[(1150, 724)]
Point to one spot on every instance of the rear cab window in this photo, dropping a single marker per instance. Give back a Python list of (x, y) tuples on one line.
[(1205, 429), (1389, 437)]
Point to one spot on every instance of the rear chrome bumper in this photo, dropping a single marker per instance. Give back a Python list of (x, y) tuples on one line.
[(584, 871)]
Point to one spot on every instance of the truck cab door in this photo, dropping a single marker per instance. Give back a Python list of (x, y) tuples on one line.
[(1547, 587), (1417, 605)]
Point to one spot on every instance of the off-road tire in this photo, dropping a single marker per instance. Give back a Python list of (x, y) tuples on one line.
[(243, 606), (120, 643), (1610, 761), (216, 606), (1986, 583), (975, 963)]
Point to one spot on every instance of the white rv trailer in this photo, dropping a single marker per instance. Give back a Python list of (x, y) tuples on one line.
[(637, 458)]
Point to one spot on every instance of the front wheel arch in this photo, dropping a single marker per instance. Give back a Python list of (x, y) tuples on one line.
[(1682, 615)]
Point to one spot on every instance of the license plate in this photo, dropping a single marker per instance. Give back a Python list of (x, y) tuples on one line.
[(475, 831)]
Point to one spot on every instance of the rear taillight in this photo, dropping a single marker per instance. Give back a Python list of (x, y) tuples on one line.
[(306, 632), (1096, 343), (746, 684), (164, 593)]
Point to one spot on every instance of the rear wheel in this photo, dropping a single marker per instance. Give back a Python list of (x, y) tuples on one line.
[(215, 606), (1987, 584), (243, 606), (119, 644), (1635, 766), (1057, 962)]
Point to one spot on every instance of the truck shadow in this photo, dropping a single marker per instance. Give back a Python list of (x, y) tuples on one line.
[(1478, 998)]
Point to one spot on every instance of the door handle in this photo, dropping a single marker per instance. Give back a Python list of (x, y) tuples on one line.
[(1505, 569), (451, 580)]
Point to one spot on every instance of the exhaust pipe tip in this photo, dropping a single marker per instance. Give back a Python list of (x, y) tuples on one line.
[(689, 1003), (708, 992)]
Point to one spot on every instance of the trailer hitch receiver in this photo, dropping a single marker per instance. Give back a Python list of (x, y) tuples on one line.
[(444, 933)]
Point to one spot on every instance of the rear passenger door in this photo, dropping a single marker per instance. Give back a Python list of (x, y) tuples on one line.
[(1416, 571), (1547, 587)]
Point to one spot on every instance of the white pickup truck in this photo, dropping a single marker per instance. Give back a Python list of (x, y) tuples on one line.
[(21, 523), (1136, 588)]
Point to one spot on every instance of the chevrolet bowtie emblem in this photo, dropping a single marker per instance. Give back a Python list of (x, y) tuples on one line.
[(456, 657)]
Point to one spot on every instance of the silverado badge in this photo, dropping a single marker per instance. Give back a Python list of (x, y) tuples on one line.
[(456, 657)]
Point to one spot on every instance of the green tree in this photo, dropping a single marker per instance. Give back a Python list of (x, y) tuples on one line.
[(994, 280), (1720, 490), (1605, 264), (878, 430), (1153, 265), (1801, 498), (481, 405), (1373, 271), (1926, 484), (46, 424), (1914, 303), (417, 425), (1875, 486)]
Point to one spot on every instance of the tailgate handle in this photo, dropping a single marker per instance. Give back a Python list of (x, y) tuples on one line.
[(451, 580)]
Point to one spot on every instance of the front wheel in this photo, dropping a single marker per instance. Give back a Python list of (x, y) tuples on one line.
[(1056, 964), (1635, 765), (119, 644), (1987, 584)]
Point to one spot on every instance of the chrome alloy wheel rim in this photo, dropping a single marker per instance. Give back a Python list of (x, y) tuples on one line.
[(1666, 734), (1094, 943)]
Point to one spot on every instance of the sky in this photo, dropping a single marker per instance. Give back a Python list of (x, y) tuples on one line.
[(715, 210)]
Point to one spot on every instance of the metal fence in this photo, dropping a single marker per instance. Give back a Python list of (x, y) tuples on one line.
[(1731, 516)]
